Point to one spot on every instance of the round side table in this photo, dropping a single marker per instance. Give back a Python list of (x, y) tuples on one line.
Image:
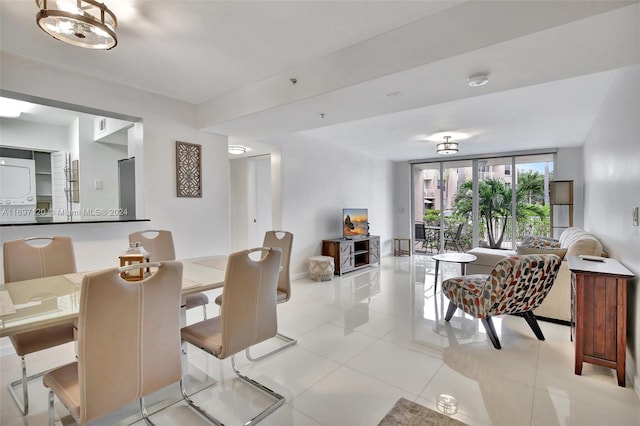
[(461, 258)]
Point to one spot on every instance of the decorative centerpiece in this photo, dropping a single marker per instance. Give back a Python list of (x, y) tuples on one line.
[(136, 254)]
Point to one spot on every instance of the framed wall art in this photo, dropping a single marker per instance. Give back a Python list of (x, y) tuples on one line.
[(189, 169)]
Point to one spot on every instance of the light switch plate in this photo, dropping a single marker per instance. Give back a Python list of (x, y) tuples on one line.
[(98, 184)]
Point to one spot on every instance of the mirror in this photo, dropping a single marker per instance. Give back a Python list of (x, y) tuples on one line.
[(66, 163)]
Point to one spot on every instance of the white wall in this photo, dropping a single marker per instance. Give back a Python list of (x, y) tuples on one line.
[(318, 181), (135, 149), (98, 161), (612, 188), (200, 225), (569, 167), (30, 135)]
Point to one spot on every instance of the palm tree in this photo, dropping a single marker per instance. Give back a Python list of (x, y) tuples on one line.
[(494, 198), (532, 182)]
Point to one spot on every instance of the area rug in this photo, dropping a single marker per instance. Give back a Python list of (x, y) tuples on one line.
[(409, 413)]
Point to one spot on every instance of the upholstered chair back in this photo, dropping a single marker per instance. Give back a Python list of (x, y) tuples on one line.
[(520, 283), (38, 257), (159, 244), (248, 311), (128, 338), (284, 241)]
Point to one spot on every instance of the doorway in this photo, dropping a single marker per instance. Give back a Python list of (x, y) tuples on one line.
[(251, 200)]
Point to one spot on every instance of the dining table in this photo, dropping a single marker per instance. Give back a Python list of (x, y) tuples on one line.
[(42, 302)]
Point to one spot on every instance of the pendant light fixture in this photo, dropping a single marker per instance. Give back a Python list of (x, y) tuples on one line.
[(82, 23), (447, 147)]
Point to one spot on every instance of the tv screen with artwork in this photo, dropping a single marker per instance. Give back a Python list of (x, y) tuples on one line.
[(355, 222)]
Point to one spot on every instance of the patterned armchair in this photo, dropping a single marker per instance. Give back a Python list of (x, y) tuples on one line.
[(517, 285)]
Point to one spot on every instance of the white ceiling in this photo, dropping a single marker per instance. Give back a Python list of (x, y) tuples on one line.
[(385, 74)]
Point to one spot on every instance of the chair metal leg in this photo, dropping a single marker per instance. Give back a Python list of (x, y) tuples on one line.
[(23, 405), (450, 311), (52, 411), (197, 407), (491, 332), (204, 311), (145, 415), (289, 342), (533, 323), (279, 398)]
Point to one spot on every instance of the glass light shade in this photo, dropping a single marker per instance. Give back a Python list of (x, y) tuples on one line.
[(447, 148), (82, 23), (237, 149)]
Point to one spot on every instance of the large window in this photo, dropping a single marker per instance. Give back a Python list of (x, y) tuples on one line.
[(495, 202)]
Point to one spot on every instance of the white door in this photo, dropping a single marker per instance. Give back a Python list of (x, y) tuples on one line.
[(260, 204)]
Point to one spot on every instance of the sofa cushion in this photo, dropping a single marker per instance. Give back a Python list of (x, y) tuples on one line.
[(579, 241), (540, 242), (489, 256), (588, 246), (560, 252)]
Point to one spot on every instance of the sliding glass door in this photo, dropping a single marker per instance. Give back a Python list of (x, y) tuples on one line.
[(486, 202), (495, 202), (436, 218), (533, 176)]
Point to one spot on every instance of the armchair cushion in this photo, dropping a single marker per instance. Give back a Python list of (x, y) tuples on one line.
[(467, 291)]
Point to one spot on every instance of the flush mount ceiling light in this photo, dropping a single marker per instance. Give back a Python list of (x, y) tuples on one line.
[(447, 147), (478, 80), (237, 149), (82, 23)]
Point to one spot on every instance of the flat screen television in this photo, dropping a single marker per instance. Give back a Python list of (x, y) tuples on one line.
[(355, 222)]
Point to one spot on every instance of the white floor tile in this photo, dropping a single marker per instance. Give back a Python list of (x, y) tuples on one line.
[(336, 343), (408, 369), (553, 409), (484, 397), (362, 345), (347, 398)]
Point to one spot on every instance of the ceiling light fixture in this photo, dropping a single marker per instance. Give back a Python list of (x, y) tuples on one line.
[(447, 147), (237, 149), (477, 80), (82, 23)]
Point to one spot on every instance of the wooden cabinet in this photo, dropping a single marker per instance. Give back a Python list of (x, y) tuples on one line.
[(349, 255), (599, 313)]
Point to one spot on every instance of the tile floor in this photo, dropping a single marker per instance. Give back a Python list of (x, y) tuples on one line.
[(367, 339)]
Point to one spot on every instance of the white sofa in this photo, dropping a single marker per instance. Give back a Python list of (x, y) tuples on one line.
[(557, 304)]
